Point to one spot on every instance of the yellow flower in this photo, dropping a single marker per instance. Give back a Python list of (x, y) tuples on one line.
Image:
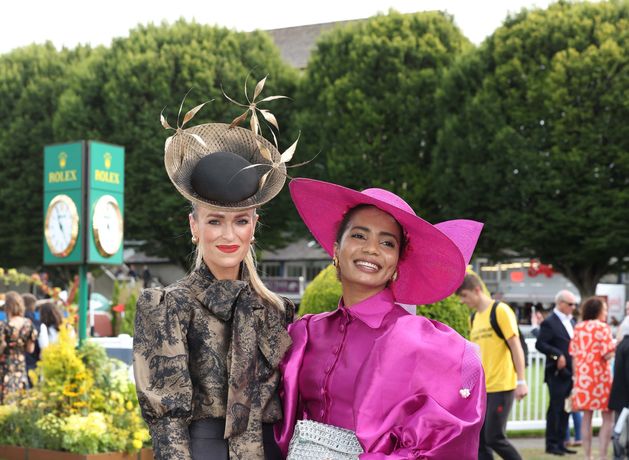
[(137, 444), (68, 392), (33, 376), (142, 434), (129, 405)]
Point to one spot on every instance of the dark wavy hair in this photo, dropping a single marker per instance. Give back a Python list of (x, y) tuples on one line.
[(50, 315), (591, 308)]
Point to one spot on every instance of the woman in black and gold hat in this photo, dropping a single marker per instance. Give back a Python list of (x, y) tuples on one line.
[(207, 348)]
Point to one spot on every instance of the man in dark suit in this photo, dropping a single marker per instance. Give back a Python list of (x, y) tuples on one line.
[(554, 337)]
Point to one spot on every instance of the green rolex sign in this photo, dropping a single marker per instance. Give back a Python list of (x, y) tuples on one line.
[(83, 203)]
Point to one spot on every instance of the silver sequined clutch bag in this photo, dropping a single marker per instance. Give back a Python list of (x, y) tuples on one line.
[(318, 441)]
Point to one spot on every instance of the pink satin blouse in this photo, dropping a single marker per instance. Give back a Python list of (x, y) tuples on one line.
[(410, 388)]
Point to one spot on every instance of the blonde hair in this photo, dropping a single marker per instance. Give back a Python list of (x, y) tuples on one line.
[(13, 304), (250, 265)]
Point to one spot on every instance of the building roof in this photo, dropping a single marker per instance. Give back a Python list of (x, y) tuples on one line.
[(133, 256), (296, 43), (298, 250)]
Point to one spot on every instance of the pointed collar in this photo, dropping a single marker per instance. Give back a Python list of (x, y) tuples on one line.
[(370, 311)]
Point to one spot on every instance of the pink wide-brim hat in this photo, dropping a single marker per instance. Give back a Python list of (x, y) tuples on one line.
[(435, 258)]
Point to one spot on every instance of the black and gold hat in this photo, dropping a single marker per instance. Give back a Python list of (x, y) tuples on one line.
[(225, 166)]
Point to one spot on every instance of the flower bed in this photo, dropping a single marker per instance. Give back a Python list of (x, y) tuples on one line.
[(28, 453), (82, 403)]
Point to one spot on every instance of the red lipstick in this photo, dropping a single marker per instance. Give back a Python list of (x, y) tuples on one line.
[(228, 248)]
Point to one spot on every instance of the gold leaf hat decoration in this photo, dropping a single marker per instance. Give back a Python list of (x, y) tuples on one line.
[(186, 153)]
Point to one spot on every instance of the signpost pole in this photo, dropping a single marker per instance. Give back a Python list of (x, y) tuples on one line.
[(83, 301)]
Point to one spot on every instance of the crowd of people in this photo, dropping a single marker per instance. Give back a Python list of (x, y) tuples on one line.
[(30, 326), (579, 373), (578, 369)]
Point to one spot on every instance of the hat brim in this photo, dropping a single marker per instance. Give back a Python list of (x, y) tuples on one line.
[(183, 152), (432, 266)]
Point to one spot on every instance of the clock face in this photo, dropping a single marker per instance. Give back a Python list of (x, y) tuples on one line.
[(107, 226), (61, 226)]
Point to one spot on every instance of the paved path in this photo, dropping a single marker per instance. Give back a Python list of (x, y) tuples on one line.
[(528, 443)]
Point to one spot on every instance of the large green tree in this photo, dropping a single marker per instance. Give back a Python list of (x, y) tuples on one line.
[(116, 95), (367, 101), (535, 139), (31, 81)]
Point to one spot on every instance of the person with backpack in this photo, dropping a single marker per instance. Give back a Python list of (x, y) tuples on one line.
[(495, 330)]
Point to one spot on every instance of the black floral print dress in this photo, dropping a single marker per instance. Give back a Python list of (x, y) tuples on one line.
[(207, 348), (13, 343)]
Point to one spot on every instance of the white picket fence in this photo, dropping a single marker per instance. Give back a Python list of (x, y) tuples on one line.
[(530, 413)]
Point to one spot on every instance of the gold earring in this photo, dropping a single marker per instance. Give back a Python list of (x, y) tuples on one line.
[(394, 277), (194, 239), (335, 261), (253, 239)]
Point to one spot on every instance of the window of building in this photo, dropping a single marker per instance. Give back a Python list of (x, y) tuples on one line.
[(270, 269), (294, 270)]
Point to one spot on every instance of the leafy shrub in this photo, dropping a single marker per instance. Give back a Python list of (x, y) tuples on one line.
[(126, 294), (322, 294), (128, 321), (450, 311)]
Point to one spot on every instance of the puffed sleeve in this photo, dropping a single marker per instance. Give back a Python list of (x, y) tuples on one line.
[(160, 364), (289, 386), (422, 395)]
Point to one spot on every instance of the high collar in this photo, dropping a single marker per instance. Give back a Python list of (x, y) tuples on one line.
[(370, 311)]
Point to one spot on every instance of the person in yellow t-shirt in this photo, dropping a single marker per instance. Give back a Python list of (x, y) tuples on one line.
[(503, 363)]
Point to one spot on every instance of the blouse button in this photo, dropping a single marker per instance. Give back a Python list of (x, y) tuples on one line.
[(342, 327), (322, 413), (328, 369), (335, 350), (322, 391)]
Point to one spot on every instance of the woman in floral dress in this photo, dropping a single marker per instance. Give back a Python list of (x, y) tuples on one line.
[(592, 346), (17, 337)]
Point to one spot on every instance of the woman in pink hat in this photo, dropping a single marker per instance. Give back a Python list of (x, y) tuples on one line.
[(406, 386)]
